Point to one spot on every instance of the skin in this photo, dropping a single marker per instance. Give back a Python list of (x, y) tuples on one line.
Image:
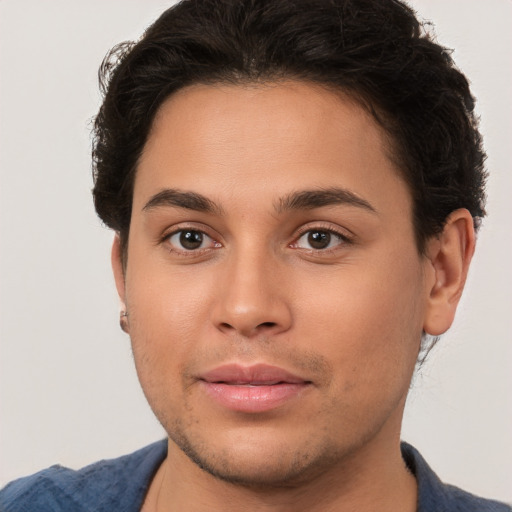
[(348, 318)]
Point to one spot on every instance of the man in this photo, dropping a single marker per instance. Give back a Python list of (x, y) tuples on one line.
[(295, 188)]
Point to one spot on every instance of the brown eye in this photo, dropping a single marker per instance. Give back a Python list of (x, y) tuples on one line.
[(319, 239), (189, 240)]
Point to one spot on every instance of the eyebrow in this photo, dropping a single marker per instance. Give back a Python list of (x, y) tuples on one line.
[(317, 198), (179, 199), (301, 200)]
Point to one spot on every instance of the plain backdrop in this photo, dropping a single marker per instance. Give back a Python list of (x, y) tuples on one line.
[(68, 389)]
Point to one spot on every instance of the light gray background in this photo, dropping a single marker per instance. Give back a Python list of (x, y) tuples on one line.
[(68, 390)]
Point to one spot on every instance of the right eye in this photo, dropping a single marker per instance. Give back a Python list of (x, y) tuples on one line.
[(190, 240)]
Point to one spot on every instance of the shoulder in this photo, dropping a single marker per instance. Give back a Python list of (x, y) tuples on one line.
[(102, 486), (465, 501), (436, 496)]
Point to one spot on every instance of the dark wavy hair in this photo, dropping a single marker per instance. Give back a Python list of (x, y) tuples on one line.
[(376, 51)]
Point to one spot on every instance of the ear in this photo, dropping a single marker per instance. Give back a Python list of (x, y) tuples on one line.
[(119, 277), (450, 255)]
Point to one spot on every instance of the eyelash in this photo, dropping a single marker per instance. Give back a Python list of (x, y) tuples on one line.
[(343, 237), (166, 239), (329, 229)]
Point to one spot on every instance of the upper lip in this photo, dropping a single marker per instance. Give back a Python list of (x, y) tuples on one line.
[(256, 375)]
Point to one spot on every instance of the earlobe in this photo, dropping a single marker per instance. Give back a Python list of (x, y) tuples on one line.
[(450, 256), (119, 277)]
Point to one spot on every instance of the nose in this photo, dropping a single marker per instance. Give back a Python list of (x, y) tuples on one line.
[(252, 299)]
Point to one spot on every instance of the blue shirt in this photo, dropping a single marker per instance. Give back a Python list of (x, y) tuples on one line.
[(121, 484)]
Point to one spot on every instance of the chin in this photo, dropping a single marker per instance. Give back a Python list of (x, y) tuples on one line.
[(252, 462)]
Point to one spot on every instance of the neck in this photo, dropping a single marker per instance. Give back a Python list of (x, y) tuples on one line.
[(373, 477)]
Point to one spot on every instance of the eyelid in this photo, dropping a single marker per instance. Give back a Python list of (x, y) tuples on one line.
[(200, 228), (346, 236), (325, 226), (183, 226)]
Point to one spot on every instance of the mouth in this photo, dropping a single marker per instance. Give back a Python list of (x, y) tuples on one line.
[(252, 389)]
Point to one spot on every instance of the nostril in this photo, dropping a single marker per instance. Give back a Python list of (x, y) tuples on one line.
[(267, 324)]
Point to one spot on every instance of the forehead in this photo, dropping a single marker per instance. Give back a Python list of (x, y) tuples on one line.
[(264, 138)]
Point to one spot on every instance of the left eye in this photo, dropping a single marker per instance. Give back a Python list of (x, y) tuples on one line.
[(319, 239), (190, 240)]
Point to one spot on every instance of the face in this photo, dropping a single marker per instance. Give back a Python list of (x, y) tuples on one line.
[(276, 297)]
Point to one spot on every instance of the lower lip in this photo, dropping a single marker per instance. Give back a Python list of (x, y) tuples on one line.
[(253, 399)]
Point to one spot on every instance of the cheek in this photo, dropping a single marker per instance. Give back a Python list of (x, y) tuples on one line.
[(167, 305), (368, 324), (168, 317)]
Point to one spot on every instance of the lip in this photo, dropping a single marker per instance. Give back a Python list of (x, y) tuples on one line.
[(252, 389)]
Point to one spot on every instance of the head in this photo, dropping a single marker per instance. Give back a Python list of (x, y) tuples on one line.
[(293, 184), (375, 52)]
